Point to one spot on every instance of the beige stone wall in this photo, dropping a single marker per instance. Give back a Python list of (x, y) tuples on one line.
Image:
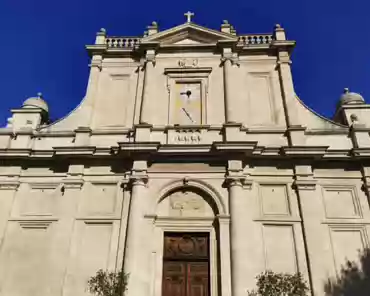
[(274, 184)]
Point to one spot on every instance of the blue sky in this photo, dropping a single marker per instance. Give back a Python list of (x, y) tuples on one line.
[(42, 43)]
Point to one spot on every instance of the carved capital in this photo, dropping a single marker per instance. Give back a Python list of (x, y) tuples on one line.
[(241, 181), (139, 180), (232, 58)]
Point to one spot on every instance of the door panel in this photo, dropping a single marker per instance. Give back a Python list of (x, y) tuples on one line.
[(197, 278), (174, 279), (186, 265)]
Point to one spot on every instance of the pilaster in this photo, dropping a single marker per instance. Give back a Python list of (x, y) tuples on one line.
[(285, 75), (230, 61), (93, 82), (225, 254), (315, 235), (148, 64), (8, 190)]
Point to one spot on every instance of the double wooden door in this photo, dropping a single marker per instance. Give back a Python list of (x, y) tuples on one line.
[(186, 264)]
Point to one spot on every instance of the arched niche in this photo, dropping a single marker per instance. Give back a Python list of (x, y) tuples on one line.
[(187, 201)]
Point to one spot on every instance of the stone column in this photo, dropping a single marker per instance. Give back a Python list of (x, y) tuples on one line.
[(137, 260), (146, 104), (240, 228), (225, 258), (237, 235)]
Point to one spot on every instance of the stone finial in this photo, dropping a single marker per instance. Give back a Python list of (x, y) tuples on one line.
[(233, 31), (226, 27), (346, 90), (39, 94), (279, 32), (153, 28), (100, 36)]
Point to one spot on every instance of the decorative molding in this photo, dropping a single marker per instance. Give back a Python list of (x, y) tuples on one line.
[(43, 185), (72, 183), (307, 184), (187, 136), (9, 185), (188, 63), (224, 219), (305, 151), (201, 72), (35, 224)]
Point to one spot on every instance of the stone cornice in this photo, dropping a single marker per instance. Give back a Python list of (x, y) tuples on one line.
[(305, 151), (243, 146), (248, 148)]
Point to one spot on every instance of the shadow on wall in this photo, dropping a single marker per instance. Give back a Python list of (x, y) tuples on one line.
[(354, 278)]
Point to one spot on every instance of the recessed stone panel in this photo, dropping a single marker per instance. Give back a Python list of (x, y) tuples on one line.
[(39, 200), (90, 252), (27, 262), (260, 101), (280, 250), (341, 202), (99, 199), (274, 199), (347, 245)]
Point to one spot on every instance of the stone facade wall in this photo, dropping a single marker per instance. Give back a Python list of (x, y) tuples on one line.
[(275, 185)]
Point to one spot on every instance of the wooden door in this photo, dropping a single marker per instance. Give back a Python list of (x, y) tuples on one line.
[(186, 265)]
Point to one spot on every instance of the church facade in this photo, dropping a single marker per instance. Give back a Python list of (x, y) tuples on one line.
[(191, 164)]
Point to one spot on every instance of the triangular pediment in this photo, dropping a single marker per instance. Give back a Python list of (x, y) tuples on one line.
[(189, 34)]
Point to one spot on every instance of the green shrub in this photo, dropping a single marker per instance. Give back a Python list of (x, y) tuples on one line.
[(106, 283), (280, 284)]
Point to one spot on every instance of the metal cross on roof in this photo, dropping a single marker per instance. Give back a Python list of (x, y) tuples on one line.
[(189, 15)]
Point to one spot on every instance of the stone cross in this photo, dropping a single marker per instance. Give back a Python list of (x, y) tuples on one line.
[(189, 15)]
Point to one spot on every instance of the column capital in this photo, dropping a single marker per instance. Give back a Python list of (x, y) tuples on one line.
[(233, 58), (139, 180), (242, 181), (149, 58)]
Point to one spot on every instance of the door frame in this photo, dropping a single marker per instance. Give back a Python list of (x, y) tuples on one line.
[(186, 225)]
